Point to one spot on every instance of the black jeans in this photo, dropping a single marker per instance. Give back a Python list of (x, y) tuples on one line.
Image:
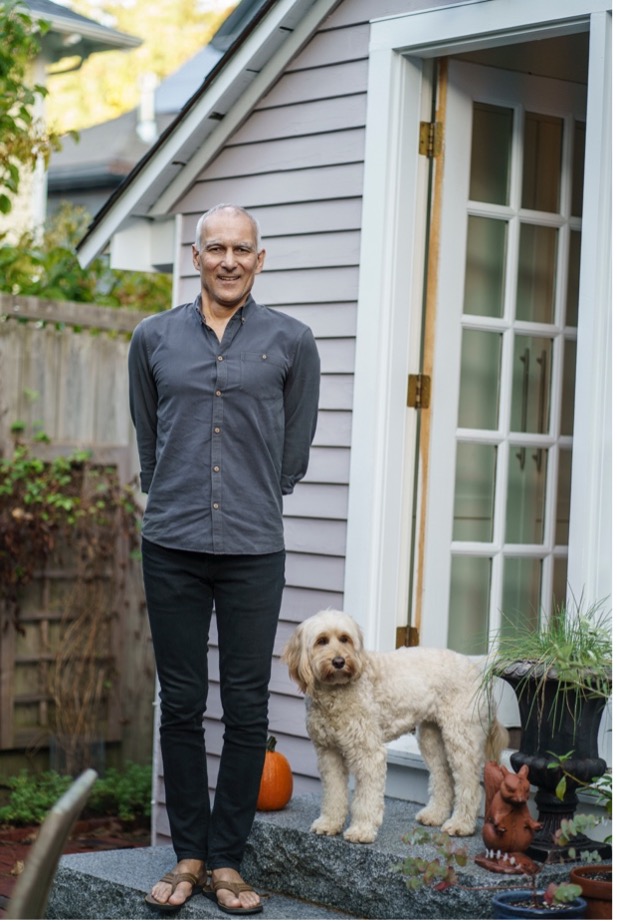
[(246, 590)]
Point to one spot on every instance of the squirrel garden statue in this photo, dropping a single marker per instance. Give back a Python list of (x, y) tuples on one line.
[(508, 824)]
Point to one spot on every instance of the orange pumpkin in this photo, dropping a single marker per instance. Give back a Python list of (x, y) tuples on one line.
[(276, 785)]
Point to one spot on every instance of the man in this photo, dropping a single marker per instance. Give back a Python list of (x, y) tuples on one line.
[(223, 395)]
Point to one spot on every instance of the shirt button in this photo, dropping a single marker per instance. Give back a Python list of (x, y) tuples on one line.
[(264, 356), (215, 505), (218, 393), (219, 358), (217, 429), (216, 468)]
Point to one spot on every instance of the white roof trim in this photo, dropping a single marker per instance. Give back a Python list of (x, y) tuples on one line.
[(169, 170)]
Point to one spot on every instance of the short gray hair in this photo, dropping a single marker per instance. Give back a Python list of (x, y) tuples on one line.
[(226, 207)]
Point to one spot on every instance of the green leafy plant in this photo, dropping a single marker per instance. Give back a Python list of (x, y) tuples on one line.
[(45, 501), (49, 268), (123, 793), (573, 646), (23, 137), (440, 869), (601, 791), (80, 513)]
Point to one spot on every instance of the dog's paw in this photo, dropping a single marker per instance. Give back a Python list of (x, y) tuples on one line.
[(325, 827), (360, 833), (431, 817), (459, 827)]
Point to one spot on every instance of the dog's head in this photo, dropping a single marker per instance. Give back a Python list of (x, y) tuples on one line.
[(326, 649)]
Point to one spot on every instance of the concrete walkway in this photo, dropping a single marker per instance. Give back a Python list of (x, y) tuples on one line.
[(305, 876)]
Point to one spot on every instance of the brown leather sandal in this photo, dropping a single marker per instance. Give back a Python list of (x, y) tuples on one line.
[(174, 878), (210, 890)]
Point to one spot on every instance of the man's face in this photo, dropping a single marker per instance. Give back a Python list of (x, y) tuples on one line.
[(229, 260)]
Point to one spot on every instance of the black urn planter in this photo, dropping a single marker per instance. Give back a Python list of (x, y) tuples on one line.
[(556, 720)]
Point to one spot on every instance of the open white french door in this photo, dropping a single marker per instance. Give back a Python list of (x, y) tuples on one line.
[(495, 506)]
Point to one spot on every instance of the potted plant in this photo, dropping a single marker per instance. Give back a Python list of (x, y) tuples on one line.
[(595, 879), (439, 869), (561, 673)]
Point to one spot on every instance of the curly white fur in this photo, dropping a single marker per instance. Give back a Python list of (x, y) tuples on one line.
[(358, 701)]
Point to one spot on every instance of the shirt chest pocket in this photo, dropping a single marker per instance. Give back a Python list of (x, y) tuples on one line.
[(262, 374)]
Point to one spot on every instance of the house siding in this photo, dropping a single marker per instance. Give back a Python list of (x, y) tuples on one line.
[(297, 164)]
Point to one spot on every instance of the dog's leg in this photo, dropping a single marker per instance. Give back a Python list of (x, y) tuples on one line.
[(440, 785), (367, 803), (464, 747), (335, 794)]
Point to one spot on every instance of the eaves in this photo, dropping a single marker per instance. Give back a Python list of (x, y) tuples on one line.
[(223, 102)]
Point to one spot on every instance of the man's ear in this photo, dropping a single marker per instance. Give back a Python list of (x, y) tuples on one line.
[(260, 261)]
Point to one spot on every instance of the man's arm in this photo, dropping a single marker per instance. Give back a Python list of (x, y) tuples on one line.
[(143, 399), (301, 400)]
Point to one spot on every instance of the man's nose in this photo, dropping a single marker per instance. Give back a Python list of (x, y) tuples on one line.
[(229, 259)]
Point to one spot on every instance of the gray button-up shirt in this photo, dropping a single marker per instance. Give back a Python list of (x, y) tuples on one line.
[(223, 428)]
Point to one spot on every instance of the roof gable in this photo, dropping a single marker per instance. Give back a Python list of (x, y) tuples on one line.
[(242, 76)]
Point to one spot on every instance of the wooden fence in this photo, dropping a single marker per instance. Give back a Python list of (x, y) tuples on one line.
[(63, 371)]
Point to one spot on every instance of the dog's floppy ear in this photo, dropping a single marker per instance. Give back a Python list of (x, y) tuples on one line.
[(295, 656)]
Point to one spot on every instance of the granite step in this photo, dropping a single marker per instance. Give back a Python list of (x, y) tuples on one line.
[(305, 876)]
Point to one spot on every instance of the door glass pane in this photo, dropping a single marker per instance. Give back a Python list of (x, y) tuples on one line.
[(478, 406), (564, 486), (470, 586), (531, 380), (537, 262), (526, 495), (485, 267), (578, 162), (567, 391), (474, 492), (521, 593), (542, 162), (574, 275), (490, 154)]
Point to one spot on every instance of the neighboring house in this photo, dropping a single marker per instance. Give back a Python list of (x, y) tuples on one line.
[(90, 167), (71, 38), (433, 183)]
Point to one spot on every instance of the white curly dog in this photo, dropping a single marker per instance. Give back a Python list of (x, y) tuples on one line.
[(358, 701)]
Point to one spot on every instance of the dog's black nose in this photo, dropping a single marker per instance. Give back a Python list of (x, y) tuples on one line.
[(338, 662)]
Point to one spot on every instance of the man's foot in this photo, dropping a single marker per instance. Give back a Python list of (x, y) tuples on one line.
[(237, 899), (179, 885)]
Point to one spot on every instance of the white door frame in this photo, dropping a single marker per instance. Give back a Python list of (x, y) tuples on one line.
[(390, 295)]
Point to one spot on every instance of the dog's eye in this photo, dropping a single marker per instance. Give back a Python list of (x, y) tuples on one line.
[(321, 641), (344, 638)]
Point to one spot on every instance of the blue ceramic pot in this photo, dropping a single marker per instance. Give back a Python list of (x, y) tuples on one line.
[(504, 907)]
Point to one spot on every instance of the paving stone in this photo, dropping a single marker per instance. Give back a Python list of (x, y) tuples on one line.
[(307, 876)]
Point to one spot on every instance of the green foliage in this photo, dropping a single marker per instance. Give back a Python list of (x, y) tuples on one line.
[(32, 796), (43, 502), (50, 269), (125, 794), (601, 790), (561, 894), (440, 868), (23, 138), (438, 871), (574, 646)]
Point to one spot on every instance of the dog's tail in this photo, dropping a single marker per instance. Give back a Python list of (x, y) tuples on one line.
[(496, 741)]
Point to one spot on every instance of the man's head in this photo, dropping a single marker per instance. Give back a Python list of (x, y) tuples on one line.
[(227, 253)]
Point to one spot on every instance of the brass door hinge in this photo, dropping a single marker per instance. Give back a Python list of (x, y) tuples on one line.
[(431, 139), (407, 636), (419, 392)]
